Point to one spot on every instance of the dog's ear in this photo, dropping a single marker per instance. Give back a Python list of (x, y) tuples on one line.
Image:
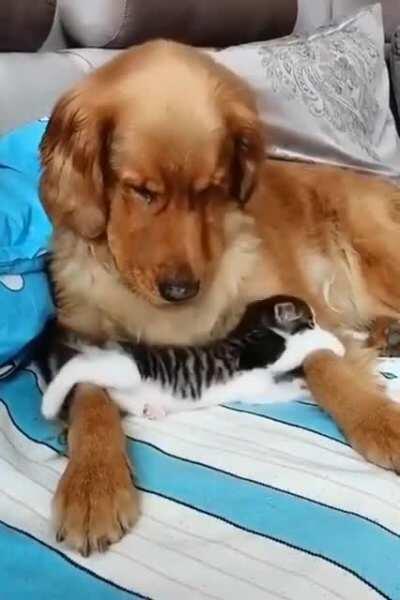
[(248, 138), (74, 153)]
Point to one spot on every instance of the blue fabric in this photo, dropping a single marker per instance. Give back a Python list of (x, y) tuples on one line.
[(21, 578), (25, 300), (313, 527)]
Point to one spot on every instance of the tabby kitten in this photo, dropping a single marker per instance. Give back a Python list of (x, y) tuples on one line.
[(257, 362)]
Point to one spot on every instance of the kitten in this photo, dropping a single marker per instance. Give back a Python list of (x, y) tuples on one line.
[(257, 362)]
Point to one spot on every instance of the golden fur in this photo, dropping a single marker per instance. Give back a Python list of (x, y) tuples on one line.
[(154, 168)]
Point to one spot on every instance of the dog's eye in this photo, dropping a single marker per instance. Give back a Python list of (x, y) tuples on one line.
[(143, 192)]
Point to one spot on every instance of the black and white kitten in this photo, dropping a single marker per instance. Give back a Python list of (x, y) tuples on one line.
[(256, 363)]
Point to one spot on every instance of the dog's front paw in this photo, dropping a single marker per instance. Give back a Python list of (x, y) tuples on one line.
[(95, 503)]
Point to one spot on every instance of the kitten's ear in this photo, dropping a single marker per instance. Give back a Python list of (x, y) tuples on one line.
[(285, 313)]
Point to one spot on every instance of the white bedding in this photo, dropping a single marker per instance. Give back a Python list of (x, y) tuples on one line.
[(254, 502)]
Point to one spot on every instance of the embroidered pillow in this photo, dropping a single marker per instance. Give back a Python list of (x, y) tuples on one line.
[(325, 96)]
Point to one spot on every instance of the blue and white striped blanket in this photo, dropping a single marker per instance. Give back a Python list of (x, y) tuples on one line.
[(237, 503)]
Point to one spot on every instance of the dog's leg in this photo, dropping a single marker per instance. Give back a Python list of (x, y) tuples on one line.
[(96, 501), (349, 391)]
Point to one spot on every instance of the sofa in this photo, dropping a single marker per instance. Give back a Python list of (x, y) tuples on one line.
[(264, 502), (47, 48)]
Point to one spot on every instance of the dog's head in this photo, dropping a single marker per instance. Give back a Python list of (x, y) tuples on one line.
[(148, 154)]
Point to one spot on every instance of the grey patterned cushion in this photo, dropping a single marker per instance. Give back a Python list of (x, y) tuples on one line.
[(325, 96)]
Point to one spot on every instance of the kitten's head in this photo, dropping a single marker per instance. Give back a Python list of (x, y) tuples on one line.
[(290, 314), (284, 314)]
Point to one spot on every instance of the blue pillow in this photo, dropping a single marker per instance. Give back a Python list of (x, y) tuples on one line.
[(25, 298)]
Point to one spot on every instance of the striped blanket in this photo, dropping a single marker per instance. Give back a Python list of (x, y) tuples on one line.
[(237, 503)]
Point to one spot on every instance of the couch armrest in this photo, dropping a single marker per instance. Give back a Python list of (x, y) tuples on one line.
[(121, 23)]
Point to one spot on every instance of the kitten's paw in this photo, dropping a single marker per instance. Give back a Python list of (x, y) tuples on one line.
[(52, 402), (154, 411), (321, 339)]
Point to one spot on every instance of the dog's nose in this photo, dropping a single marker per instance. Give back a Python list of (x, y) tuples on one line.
[(178, 290)]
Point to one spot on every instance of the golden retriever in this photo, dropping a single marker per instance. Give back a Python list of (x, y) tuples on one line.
[(168, 221)]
